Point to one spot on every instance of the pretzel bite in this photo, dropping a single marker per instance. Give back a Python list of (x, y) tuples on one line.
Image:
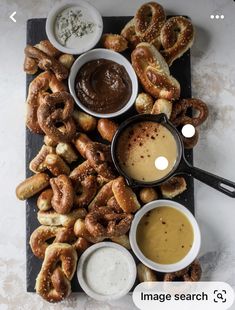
[(52, 218), (174, 187), (144, 103), (66, 60), (38, 163), (66, 151), (81, 172), (81, 231), (80, 245), (46, 47), (129, 33), (124, 195), (56, 165), (81, 141), (148, 194), (103, 196), (30, 65), (114, 42), (85, 191), (192, 273), (123, 241), (63, 194), (84, 121), (44, 200), (145, 274), (107, 128), (33, 185), (162, 106)]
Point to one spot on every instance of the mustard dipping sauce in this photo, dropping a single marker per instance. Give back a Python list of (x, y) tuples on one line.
[(164, 235)]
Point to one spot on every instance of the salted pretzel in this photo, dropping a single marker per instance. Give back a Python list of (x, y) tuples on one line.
[(99, 157), (82, 171), (114, 42), (144, 103), (42, 83), (103, 196), (180, 110), (56, 165), (104, 223), (149, 20), (66, 151), (85, 191), (63, 194), (37, 164), (192, 273), (44, 200), (129, 33), (107, 128), (148, 194), (113, 204), (59, 265), (177, 36), (154, 73), (52, 218), (46, 62), (81, 141), (84, 121), (173, 187), (50, 114), (162, 106)]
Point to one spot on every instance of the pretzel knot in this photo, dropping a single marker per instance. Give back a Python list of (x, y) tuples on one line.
[(154, 73), (99, 157), (53, 281), (177, 37), (85, 191), (56, 109), (102, 222), (149, 20), (63, 194), (192, 273)]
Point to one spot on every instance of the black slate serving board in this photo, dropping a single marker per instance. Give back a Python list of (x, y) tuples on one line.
[(181, 70)]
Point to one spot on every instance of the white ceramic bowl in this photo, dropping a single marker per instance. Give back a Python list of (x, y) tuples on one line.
[(86, 44), (82, 267), (110, 55), (192, 254)]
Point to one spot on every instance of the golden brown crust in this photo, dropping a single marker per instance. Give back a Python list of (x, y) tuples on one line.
[(84, 121), (44, 200), (66, 60), (124, 195), (148, 194), (145, 274), (67, 152), (81, 141), (123, 241), (144, 103), (81, 231), (114, 42), (129, 33), (85, 191), (173, 187), (38, 163), (192, 273), (30, 65), (56, 165), (46, 47), (107, 128), (103, 196), (53, 281), (162, 106), (81, 172), (153, 72), (31, 186)]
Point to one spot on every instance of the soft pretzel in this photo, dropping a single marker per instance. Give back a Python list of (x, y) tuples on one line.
[(177, 36), (192, 273), (180, 112), (153, 72), (162, 106), (80, 245), (114, 42), (67, 152), (52, 218), (66, 60), (124, 195), (84, 121), (144, 103), (103, 196), (99, 157), (81, 141), (63, 194), (85, 191), (107, 128), (59, 265), (81, 231), (129, 33), (49, 142), (49, 115), (46, 62), (30, 65), (41, 84), (113, 204), (44, 200), (145, 274), (56, 165), (33, 185), (149, 20), (38, 163), (122, 240), (82, 171), (173, 187), (148, 194)]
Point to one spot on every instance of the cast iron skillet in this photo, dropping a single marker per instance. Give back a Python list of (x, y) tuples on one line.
[(182, 166)]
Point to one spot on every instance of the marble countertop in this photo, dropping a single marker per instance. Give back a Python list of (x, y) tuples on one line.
[(213, 80)]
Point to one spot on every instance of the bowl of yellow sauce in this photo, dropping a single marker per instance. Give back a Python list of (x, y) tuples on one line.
[(165, 236)]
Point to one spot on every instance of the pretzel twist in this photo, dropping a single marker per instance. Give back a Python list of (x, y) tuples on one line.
[(53, 282), (85, 191), (154, 73), (192, 273), (49, 115), (177, 36)]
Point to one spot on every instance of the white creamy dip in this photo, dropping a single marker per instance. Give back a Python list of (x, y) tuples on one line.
[(107, 271), (75, 26)]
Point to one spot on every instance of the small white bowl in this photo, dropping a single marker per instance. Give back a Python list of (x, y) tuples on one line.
[(110, 55), (82, 267), (192, 254), (86, 44)]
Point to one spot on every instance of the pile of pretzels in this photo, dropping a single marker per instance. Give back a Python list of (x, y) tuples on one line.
[(81, 200)]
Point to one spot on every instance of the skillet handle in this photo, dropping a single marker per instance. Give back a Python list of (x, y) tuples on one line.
[(225, 186)]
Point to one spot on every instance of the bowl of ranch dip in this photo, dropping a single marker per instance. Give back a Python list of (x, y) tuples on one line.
[(74, 27), (106, 271)]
